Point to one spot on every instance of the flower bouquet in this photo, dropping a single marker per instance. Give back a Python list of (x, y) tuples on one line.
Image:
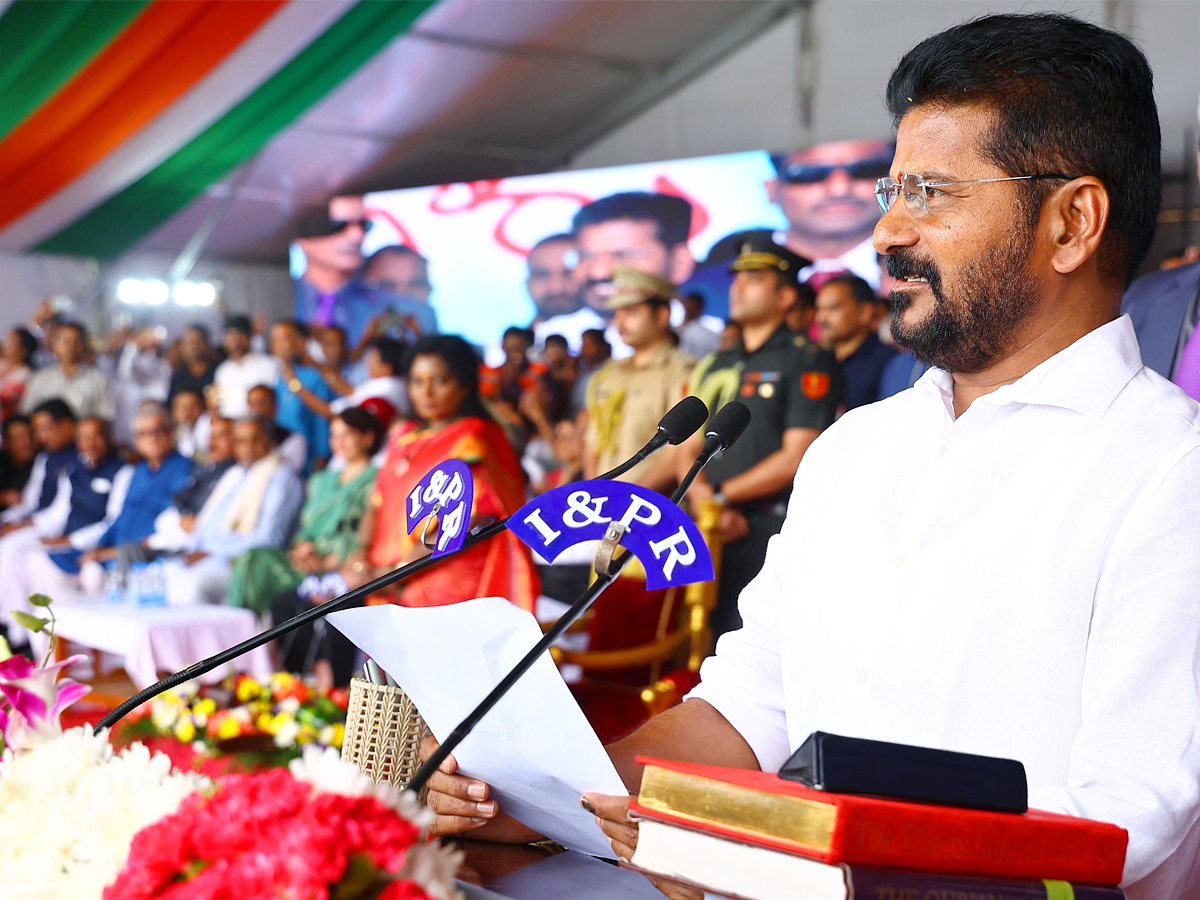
[(242, 722), (87, 822)]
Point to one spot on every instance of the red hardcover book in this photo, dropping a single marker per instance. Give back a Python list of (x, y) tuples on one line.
[(762, 808)]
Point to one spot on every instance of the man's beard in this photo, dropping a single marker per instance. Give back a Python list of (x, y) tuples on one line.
[(972, 324)]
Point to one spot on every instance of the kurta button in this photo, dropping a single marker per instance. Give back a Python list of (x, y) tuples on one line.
[(860, 675), (950, 456), (898, 560)]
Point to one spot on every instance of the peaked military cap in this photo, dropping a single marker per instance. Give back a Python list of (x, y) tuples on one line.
[(633, 287)]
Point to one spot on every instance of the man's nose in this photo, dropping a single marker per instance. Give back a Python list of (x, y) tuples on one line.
[(839, 183), (895, 230)]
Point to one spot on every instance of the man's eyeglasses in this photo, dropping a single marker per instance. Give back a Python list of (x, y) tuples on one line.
[(337, 226), (151, 432), (862, 170), (916, 189)]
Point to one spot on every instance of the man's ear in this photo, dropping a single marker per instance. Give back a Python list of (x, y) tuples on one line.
[(1074, 218), (786, 297)]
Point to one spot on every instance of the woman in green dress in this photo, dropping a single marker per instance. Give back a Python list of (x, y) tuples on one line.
[(328, 531)]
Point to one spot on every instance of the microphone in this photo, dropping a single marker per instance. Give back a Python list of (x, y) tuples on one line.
[(678, 424), (727, 426)]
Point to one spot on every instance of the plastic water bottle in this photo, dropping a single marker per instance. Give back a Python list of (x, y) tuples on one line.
[(114, 586), (156, 585), (135, 584)]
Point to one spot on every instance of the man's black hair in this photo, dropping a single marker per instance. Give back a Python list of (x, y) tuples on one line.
[(597, 334), (15, 419), (29, 344), (78, 327), (1069, 97), (672, 215), (239, 323), (195, 392), (524, 334), (265, 387), (391, 353), (201, 330), (398, 250), (556, 339), (56, 408), (296, 325), (554, 239), (860, 291), (806, 295)]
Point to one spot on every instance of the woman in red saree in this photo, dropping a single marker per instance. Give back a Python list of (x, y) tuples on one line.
[(449, 422)]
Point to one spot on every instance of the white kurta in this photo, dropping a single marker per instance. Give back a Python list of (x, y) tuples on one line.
[(1022, 582)]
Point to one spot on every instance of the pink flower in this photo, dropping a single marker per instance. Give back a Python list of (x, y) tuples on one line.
[(35, 698), (265, 836)]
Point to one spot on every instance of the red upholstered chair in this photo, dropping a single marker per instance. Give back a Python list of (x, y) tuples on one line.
[(645, 647)]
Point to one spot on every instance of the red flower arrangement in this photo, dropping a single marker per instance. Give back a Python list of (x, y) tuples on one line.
[(269, 836)]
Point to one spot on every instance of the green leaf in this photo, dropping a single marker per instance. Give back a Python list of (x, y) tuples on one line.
[(33, 623), (39, 600), (5, 650)]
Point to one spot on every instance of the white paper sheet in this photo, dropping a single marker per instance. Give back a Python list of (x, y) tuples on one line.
[(535, 748)]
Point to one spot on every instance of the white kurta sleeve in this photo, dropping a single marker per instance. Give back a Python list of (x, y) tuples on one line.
[(1135, 757), (744, 680)]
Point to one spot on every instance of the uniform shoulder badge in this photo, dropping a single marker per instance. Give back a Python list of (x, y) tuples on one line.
[(800, 341), (815, 385)]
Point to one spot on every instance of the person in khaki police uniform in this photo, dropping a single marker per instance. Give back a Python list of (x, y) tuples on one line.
[(793, 389), (627, 397)]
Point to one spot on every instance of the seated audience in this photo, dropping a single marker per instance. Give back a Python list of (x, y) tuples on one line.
[(71, 378), (54, 433), (155, 482), (799, 318), (292, 447), (241, 370), (846, 321), (255, 504), (44, 557), (297, 377), (192, 425), (329, 521), (340, 372), (16, 459), (15, 369), (568, 457), (197, 363), (561, 375), (174, 523), (449, 422)]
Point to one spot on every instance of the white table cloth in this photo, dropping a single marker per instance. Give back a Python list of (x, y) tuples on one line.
[(162, 638)]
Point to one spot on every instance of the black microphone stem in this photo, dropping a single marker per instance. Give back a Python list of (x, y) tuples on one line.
[(578, 608), (345, 601)]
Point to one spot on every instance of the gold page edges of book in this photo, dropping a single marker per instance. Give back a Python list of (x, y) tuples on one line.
[(706, 801)]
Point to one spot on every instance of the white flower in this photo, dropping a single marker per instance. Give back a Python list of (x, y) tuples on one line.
[(325, 770), (433, 867), (287, 733), (289, 705), (71, 807)]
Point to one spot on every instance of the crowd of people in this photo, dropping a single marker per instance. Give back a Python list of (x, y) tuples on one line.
[(262, 469)]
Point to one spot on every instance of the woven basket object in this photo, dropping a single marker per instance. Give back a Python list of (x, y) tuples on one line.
[(384, 732)]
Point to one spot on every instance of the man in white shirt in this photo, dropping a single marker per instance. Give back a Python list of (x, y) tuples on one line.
[(1003, 559), (72, 378), (241, 370)]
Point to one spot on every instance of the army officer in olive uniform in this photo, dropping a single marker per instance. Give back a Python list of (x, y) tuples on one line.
[(793, 389), (627, 397)]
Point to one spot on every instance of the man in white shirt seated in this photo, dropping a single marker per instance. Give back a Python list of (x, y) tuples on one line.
[(1003, 559), (241, 369), (255, 504), (44, 556)]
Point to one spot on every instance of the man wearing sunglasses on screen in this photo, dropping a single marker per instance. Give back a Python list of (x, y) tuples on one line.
[(827, 194), (328, 288)]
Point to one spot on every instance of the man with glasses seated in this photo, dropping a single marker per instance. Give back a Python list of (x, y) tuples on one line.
[(328, 289), (826, 193), (156, 480), (1001, 560)]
